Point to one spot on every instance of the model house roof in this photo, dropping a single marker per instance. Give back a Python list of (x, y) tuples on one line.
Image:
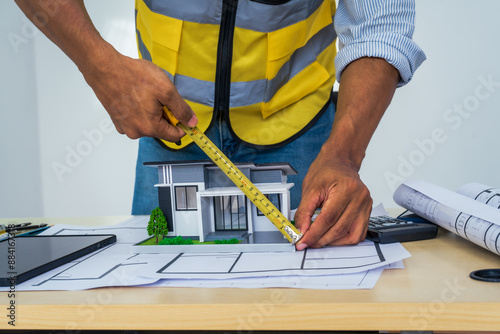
[(284, 166)]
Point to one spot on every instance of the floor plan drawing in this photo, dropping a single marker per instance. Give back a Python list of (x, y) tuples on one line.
[(328, 260)]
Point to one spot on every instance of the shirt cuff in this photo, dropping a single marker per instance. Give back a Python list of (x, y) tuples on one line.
[(398, 50)]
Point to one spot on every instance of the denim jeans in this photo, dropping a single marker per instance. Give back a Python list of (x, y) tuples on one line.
[(299, 153)]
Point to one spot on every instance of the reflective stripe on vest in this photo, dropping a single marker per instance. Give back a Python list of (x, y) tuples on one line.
[(281, 61)]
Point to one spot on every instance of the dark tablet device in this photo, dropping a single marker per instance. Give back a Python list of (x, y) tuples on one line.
[(25, 257)]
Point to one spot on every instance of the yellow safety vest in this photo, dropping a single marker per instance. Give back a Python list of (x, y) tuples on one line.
[(268, 65)]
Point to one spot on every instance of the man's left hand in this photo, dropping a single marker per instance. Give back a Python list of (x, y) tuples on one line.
[(333, 184)]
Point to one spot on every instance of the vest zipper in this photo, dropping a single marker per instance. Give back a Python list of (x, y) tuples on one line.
[(225, 57)]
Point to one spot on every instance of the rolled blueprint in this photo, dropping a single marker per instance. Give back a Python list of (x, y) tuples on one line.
[(482, 193), (469, 213)]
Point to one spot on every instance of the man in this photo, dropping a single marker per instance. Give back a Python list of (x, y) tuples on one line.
[(258, 75)]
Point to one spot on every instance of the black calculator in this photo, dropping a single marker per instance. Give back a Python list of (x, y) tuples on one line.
[(385, 229)]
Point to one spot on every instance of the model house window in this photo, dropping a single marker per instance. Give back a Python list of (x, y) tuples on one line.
[(275, 199), (230, 213), (185, 198)]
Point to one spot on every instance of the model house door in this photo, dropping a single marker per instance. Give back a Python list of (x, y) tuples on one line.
[(165, 203), (230, 213)]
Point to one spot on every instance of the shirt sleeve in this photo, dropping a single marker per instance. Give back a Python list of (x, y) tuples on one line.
[(378, 28)]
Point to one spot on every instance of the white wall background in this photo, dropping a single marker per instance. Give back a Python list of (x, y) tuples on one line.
[(46, 109)]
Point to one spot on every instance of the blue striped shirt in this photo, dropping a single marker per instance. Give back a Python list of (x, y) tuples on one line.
[(378, 28)]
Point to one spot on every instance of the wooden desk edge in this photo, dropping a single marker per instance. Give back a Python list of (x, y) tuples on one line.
[(341, 316)]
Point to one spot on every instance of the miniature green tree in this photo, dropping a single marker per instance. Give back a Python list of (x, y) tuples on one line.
[(157, 224)]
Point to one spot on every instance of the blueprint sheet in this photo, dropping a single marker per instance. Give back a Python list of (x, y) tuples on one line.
[(346, 267), (361, 280)]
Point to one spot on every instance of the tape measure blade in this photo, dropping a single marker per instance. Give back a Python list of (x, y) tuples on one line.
[(242, 182)]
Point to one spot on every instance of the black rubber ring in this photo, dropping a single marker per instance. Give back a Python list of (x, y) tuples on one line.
[(486, 275)]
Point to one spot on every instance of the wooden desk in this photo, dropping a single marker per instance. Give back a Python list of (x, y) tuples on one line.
[(434, 292)]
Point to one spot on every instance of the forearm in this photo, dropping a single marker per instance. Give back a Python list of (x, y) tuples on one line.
[(332, 182), (366, 89), (136, 109), (68, 25)]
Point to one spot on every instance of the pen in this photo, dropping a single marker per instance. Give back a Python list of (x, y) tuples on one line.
[(24, 227), (4, 228), (11, 226), (33, 230)]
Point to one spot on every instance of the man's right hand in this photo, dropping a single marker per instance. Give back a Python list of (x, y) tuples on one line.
[(134, 91)]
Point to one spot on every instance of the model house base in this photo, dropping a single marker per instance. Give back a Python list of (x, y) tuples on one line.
[(271, 241)]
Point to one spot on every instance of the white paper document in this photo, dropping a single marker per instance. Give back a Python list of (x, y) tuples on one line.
[(346, 267), (310, 262), (471, 213), (362, 280)]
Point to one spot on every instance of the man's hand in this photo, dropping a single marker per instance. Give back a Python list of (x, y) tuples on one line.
[(134, 91), (333, 184)]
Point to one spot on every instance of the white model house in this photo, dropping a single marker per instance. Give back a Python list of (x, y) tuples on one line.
[(200, 201)]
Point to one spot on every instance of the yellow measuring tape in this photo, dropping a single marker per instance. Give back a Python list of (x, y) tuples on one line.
[(240, 180)]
